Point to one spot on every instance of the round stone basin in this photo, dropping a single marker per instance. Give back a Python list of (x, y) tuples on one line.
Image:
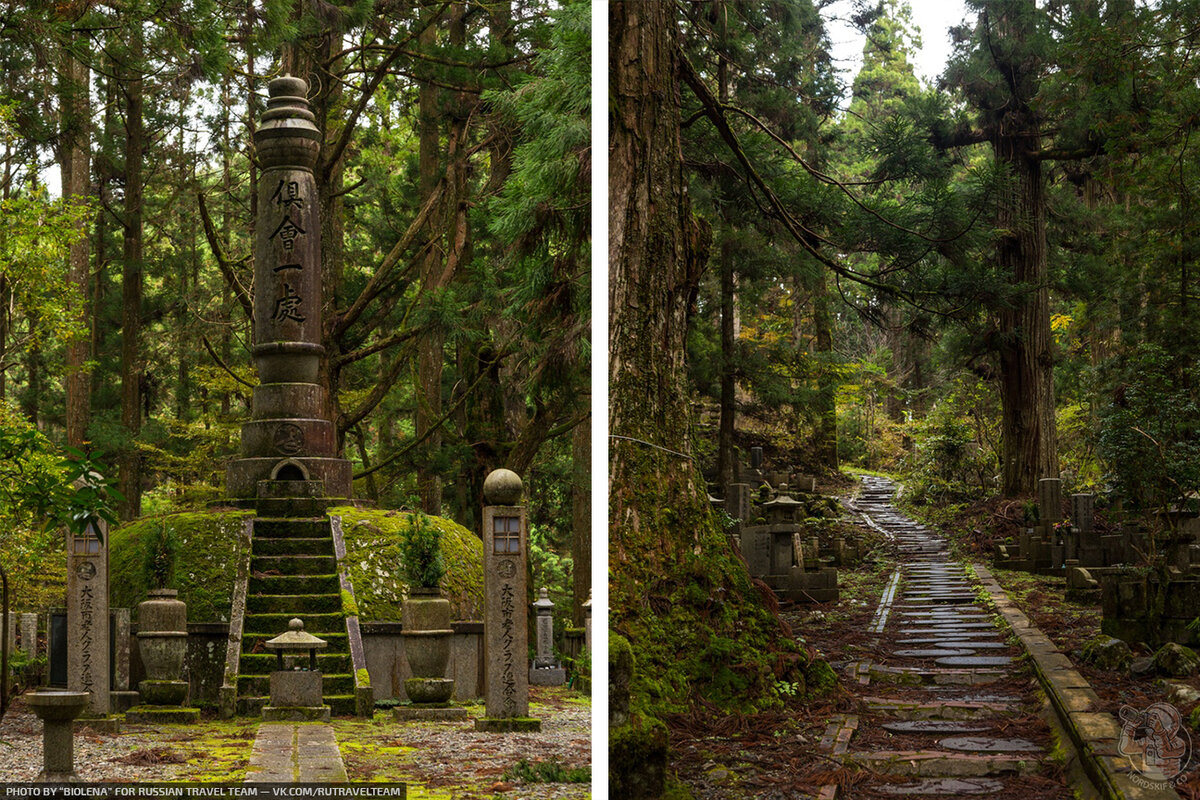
[(57, 706)]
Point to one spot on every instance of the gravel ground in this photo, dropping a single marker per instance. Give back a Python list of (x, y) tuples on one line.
[(437, 760)]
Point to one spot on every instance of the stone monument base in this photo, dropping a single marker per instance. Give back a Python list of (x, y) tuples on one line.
[(547, 676), (295, 714), (508, 725), (163, 693), (421, 712), (162, 715), (429, 691), (123, 701), (110, 724)]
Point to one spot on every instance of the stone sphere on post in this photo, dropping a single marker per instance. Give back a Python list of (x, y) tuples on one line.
[(502, 487)]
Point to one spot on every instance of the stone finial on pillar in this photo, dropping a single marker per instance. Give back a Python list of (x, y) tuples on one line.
[(505, 630)]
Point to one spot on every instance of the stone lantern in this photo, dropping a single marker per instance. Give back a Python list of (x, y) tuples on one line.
[(545, 671), (296, 693)]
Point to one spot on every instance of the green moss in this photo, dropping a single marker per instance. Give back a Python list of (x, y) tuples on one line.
[(349, 606), (637, 757), (373, 562), (204, 566), (205, 563), (362, 678)]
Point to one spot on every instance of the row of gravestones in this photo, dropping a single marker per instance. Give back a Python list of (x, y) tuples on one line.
[(1139, 605), (768, 529)]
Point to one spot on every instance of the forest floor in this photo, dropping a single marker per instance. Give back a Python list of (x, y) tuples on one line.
[(437, 761)]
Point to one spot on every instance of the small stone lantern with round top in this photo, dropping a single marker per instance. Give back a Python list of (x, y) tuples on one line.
[(296, 693)]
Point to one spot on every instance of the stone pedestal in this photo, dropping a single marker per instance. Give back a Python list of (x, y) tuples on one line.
[(57, 710), (296, 697)]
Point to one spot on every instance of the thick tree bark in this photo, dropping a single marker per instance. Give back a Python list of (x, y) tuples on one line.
[(75, 163), (1030, 448), (430, 347), (1025, 357), (826, 435), (656, 250), (130, 474)]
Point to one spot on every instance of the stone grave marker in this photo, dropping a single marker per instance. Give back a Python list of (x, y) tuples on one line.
[(505, 631), (87, 618), (29, 637)]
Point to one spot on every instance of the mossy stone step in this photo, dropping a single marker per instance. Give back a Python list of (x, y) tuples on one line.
[(284, 603), (340, 705), (264, 584), (293, 565), (276, 623), (291, 528), (292, 547), (265, 663), (257, 685)]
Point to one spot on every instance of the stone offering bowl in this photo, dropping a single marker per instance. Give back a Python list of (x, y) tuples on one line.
[(57, 706)]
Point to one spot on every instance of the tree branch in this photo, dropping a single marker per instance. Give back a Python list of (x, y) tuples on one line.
[(223, 262)]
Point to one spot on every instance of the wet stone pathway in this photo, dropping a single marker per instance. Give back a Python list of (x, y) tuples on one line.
[(950, 710)]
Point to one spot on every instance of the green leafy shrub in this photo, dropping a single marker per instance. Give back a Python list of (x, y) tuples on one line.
[(547, 772), (421, 551)]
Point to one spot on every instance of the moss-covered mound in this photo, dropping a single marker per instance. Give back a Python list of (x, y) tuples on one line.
[(204, 564), (205, 556), (373, 562)]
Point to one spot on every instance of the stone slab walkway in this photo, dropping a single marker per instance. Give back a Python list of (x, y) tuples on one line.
[(293, 752)]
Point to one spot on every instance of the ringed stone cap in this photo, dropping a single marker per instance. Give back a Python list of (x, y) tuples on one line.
[(543, 601), (296, 639), (502, 487)]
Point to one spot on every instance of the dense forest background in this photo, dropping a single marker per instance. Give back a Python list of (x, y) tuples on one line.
[(977, 283), (453, 184)]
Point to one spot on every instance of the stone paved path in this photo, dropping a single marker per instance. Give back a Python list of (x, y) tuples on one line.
[(949, 710), (289, 752)]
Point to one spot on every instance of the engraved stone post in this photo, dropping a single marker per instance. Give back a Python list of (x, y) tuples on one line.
[(505, 630), (29, 639), (1083, 511), (545, 670), (289, 447), (1050, 500), (87, 618)]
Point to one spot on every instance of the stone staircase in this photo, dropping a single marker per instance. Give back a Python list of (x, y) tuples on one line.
[(293, 573)]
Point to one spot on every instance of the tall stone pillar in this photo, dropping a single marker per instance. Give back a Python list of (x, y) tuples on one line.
[(505, 624), (87, 618), (1050, 500), (288, 437)]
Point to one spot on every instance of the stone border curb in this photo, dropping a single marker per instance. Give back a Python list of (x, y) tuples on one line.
[(1093, 735)]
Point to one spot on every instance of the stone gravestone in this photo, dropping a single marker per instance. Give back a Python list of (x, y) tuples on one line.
[(87, 618), (1049, 500), (737, 502), (289, 447), (505, 629), (546, 671), (29, 638)]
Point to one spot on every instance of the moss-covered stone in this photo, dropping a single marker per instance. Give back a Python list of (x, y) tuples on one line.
[(637, 758), (373, 560), (1105, 652), (207, 555)]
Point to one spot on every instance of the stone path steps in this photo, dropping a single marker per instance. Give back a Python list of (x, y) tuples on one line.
[(289, 752), (937, 642)]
